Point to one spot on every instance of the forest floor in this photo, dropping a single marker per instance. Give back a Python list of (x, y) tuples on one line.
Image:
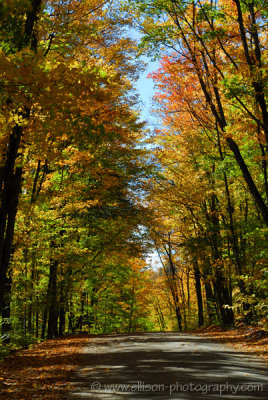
[(45, 370), (249, 339)]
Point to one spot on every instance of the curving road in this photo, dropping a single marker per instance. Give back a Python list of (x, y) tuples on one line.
[(167, 366)]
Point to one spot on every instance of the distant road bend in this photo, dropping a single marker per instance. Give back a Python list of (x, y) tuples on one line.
[(167, 366)]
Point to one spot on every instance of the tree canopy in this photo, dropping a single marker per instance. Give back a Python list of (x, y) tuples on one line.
[(87, 191)]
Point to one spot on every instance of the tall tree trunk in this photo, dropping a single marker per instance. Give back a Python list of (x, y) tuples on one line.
[(9, 204), (211, 306), (52, 330), (44, 323), (62, 304), (223, 300), (178, 315), (62, 314), (161, 319), (218, 112), (130, 318), (198, 293), (6, 324), (248, 178), (220, 285), (37, 324), (30, 300), (10, 175), (172, 280)]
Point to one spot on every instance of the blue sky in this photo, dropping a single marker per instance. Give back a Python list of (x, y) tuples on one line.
[(145, 88)]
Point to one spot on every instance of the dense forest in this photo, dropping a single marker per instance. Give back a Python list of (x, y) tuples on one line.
[(89, 190)]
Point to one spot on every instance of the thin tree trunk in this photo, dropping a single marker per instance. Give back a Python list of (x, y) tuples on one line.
[(52, 301), (44, 323), (37, 324), (161, 319), (218, 112), (198, 293), (211, 303), (62, 320)]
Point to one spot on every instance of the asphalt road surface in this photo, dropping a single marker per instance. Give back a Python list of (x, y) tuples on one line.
[(167, 366)]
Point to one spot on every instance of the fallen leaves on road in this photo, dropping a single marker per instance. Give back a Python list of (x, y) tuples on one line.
[(42, 372), (249, 339)]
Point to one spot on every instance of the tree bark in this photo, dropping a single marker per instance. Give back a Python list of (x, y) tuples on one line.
[(198, 293), (53, 312), (62, 314), (11, 177), (44, 323)]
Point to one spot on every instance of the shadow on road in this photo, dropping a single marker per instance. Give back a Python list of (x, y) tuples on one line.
[(166, 366)]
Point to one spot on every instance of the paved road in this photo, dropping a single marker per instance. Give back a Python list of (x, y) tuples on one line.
[(167, 366)]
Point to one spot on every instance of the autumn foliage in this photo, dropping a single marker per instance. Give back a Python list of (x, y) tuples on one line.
[(70, 171), (211, 193), (87, 190)]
